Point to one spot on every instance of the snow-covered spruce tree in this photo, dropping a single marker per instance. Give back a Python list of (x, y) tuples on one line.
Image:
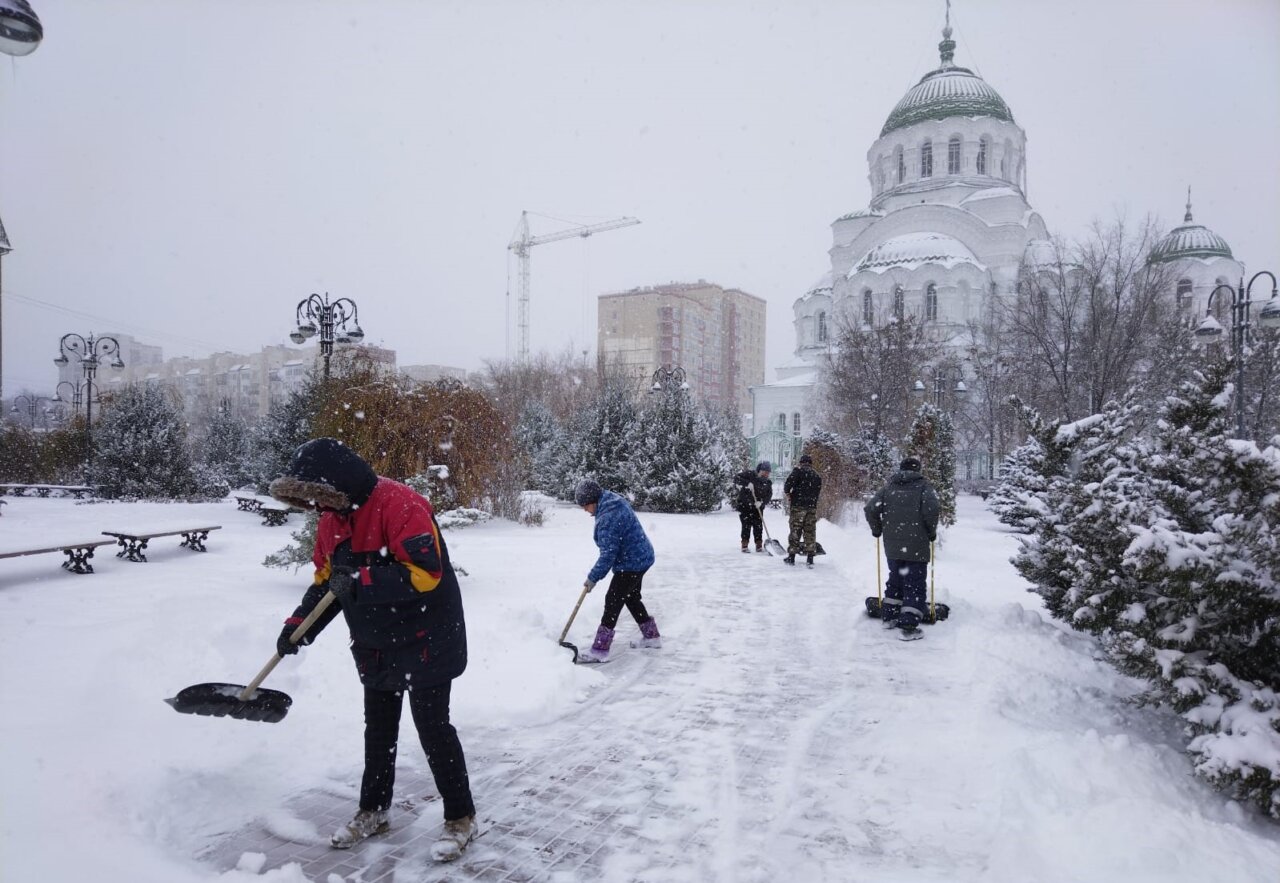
[(1202, 618), (1018, 500), (1044, 558), (224, 450), (140, 446), (599, 443), (537, 434), (932, 439), (678, 460)]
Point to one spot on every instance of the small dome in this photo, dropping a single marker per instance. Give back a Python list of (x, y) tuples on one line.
[(949, 91), (1189, 241), (822, 286), (913, 249)]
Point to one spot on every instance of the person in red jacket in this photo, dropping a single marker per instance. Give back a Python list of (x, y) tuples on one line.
[(379, 550)]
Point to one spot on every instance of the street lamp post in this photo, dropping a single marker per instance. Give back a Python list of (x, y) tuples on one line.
[(317, 315), (29, 407), (1241, 301), (940, 378), (668, 378), (90, 351), (77, 391)]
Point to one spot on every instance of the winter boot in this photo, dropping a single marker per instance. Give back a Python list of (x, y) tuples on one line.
[(649, 637), (910, 633), (599, 649), (366, 823), (759, 547), (455, 837), (790, 559), (809, 561), (744, 546)]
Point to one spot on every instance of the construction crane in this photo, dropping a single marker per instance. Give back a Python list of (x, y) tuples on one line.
[(521, 242)]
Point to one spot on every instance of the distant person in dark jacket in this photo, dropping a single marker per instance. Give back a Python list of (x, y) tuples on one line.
[(624, 549), (801, 491), (906, 512), (755, 490), (379, 550)]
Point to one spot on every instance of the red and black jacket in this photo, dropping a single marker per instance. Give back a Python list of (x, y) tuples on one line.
[(407, 625)]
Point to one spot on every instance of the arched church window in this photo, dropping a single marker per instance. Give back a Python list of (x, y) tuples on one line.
[(953, 156), (902, 166), (868, 307), (899, 303), (926, 159), (931, 303), (1184, 294), (782, 421), (795, 423), (984, 148), (822, 327)]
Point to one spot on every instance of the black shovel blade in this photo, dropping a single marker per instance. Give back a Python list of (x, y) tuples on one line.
[(940, 612), (873, 608), (572, 647), (223, 700)]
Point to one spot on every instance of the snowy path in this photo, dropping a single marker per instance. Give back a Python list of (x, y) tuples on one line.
[(783, 735), (779, 734)]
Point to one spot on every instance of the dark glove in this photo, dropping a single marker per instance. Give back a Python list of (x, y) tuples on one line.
[(876, 534), (342, 582), (589, 584), (285, 647)]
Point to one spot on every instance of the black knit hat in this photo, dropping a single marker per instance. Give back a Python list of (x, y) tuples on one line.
[(764, 466), (910, 464), (805, 458), (587, 492)]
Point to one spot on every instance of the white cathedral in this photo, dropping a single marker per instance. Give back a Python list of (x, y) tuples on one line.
[(948, 227)]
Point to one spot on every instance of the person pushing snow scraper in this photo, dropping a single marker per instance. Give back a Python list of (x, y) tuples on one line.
[(906, 512), (626, 551), (755, 490), (379, 550)]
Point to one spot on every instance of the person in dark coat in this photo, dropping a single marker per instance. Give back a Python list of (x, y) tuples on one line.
[(755, 490), (624, 549), (801, 491), (906, 512), (379, 550)]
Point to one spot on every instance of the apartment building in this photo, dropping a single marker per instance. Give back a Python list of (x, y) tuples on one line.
[(715, 334)]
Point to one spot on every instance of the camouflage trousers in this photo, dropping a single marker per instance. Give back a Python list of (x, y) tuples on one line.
[(804, 531)]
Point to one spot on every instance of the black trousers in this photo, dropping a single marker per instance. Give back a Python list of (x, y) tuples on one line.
[(430, 709), (624, 590), (752, 523)]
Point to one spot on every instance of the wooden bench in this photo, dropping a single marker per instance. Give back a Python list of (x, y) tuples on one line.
[(248, 504), (46, 490), (134, 544), (78, 554)]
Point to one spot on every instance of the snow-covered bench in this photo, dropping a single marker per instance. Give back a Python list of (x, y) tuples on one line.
[(78, 553), (134, 544), (47, 490), (274, 516)]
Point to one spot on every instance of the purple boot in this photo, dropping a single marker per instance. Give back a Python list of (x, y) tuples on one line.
[(649, 636), (599, 650)]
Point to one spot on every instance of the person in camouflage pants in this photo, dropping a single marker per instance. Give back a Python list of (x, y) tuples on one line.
[(801, 490)]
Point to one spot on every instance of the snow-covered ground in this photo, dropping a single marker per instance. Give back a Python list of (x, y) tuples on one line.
[(780, 734)]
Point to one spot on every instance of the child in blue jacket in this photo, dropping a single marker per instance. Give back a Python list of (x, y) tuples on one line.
[(626, 551)]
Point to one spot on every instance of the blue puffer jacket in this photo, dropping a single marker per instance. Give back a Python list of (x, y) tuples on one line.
[(623, 544)]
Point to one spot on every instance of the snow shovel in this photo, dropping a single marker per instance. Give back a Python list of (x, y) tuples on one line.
[(873, 604), (937, 612), (246, 703), (772, 546), (563, 634)]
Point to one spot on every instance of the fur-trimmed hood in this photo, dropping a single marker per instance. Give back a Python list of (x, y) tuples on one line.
[(325, 472)]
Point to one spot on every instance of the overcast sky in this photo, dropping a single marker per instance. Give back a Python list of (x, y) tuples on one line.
[(187, 170)]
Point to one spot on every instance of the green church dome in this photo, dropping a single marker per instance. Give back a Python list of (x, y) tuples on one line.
[(1189, 241), (949, 91)]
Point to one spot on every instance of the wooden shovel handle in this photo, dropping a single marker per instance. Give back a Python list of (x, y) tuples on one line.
[(298, 634), (574, 613)]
